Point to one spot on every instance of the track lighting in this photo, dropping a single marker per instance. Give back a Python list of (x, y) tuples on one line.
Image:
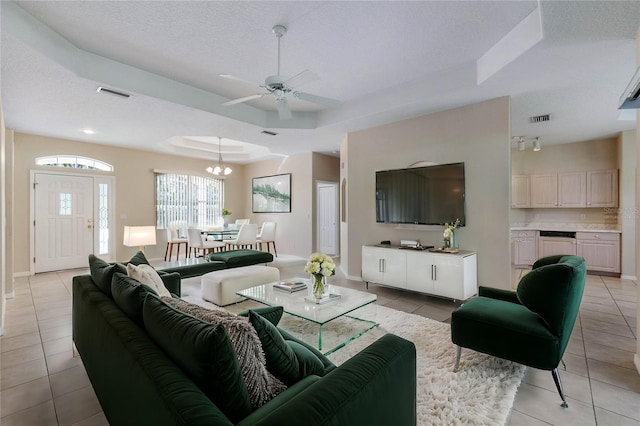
[(521, 143), (536, 144)]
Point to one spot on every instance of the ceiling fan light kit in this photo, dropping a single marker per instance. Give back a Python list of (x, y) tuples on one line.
[(281, 87)]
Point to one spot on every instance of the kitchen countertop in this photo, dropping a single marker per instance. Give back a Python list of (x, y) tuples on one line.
[(571, 227)]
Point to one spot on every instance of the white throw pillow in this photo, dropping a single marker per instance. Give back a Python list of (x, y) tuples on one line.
[(149, 277)]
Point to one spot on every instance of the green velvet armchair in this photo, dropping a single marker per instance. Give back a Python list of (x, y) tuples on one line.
[(530, 326)]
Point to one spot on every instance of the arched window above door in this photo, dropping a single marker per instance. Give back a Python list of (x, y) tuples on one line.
[(74, 162)]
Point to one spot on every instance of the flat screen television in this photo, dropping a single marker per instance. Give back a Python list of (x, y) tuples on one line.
[(432, 195)]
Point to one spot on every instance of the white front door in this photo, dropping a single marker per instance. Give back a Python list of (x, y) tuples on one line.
[(327, 196), (63, 228)]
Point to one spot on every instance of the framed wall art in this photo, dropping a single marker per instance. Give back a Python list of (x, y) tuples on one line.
[(271, 194)]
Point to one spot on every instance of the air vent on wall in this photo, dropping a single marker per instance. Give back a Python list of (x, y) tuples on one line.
[(540, 118), (266, 132), (112, 92)]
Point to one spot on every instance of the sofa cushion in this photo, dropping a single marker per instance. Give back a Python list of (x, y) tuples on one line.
[(102, 273), (236, 258), (149, 277), (288, 360), (261, 384), (204, 351), (139, 259), (129, 295)]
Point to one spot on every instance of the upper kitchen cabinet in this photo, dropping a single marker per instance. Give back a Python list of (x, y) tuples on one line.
[(602, 188), (544, 191), (596, 188)]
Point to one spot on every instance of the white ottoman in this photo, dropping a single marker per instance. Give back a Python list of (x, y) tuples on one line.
[(220, 287)]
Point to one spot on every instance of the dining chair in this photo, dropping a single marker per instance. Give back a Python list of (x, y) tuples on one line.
[(197, 243), (246, 237), (242, 221), (174, 239), (267, 235)]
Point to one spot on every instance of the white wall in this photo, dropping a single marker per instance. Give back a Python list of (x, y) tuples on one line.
[(479, 136), (3, 221), (627, 211)]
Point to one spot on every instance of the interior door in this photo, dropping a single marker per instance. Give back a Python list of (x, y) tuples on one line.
[(327, 196), (63, 228)]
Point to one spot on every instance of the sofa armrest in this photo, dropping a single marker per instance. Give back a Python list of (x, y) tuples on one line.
[(196, 269), (499, 294), (172, 281), (376, 386)]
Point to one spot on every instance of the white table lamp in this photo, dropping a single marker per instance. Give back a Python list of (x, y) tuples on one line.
[(139, 236)]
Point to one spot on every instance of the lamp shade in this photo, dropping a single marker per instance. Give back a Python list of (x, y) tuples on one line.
[(139, 236)]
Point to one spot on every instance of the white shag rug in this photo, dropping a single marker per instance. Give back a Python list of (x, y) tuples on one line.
[(480, 393)]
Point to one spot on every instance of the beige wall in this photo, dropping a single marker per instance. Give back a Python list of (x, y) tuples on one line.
[(135, 187), (295, 233), (3, 203), (478, 135), (627, 211), (581, 156)]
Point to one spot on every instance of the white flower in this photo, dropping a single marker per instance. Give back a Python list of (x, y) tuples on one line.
[(320, 263), (447, 233)]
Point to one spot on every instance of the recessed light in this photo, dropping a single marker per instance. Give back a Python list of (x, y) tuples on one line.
[(88, 131)]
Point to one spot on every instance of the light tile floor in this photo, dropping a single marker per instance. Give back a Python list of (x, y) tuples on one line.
[(41, 383)]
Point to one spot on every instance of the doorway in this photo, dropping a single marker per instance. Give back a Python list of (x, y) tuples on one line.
[(327, 217), (72, 217)]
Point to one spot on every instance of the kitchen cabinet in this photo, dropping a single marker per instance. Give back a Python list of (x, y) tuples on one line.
[(602, 188), (572, 189), (601, 251), (544, 191), (593, 188), (441, 274), (549, 246), (520, 193), (523, 247)]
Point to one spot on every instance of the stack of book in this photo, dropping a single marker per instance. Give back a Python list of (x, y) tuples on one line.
[(290, 286)]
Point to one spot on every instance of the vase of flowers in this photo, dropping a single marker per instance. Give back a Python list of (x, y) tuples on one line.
[(319, 266), (225, 216), (449, 234)]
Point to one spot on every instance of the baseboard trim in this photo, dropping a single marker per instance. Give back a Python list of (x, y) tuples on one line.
[(628, 277), (636, 361), (21, 274), (10, 295), (354, 278)]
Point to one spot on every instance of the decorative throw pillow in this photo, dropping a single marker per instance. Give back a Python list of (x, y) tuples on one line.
[(148, 276), (139, 259), (203, 351), (129, 295), (102, 273), (261, 384), (288, 360)]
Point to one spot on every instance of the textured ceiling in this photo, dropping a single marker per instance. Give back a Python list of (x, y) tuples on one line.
[(383, 60)]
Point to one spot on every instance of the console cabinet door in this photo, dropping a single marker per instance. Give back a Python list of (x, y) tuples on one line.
[(544, 191), (572, 189), (372, 264), (602, 188), (395, 268), (419, 269), (601, 251)]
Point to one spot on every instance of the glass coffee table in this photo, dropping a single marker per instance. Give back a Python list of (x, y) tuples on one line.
[(320, 314)]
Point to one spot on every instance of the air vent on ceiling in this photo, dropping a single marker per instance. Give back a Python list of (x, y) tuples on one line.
[(540, 118), (112, 92), (266, 132)]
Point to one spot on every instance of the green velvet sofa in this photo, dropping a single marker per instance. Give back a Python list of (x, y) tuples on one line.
[(137, 383)]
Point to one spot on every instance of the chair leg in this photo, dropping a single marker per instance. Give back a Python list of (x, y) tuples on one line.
[(166, 251), (558, 382), (563, 364), (274, 248), (458, 353)]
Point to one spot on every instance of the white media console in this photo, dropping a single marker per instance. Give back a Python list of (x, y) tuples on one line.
[(448, 275)]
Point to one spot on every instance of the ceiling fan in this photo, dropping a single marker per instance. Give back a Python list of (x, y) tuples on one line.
[(281, 87)]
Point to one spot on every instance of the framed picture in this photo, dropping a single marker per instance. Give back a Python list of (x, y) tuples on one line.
[(271, 194)]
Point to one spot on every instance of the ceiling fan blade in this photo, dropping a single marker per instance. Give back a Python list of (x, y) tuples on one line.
[(244, 99), (284, 112), (304, 77), (316, 99), (233, 77)]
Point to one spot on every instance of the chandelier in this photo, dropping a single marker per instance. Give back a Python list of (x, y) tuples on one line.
[(220, 168)]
